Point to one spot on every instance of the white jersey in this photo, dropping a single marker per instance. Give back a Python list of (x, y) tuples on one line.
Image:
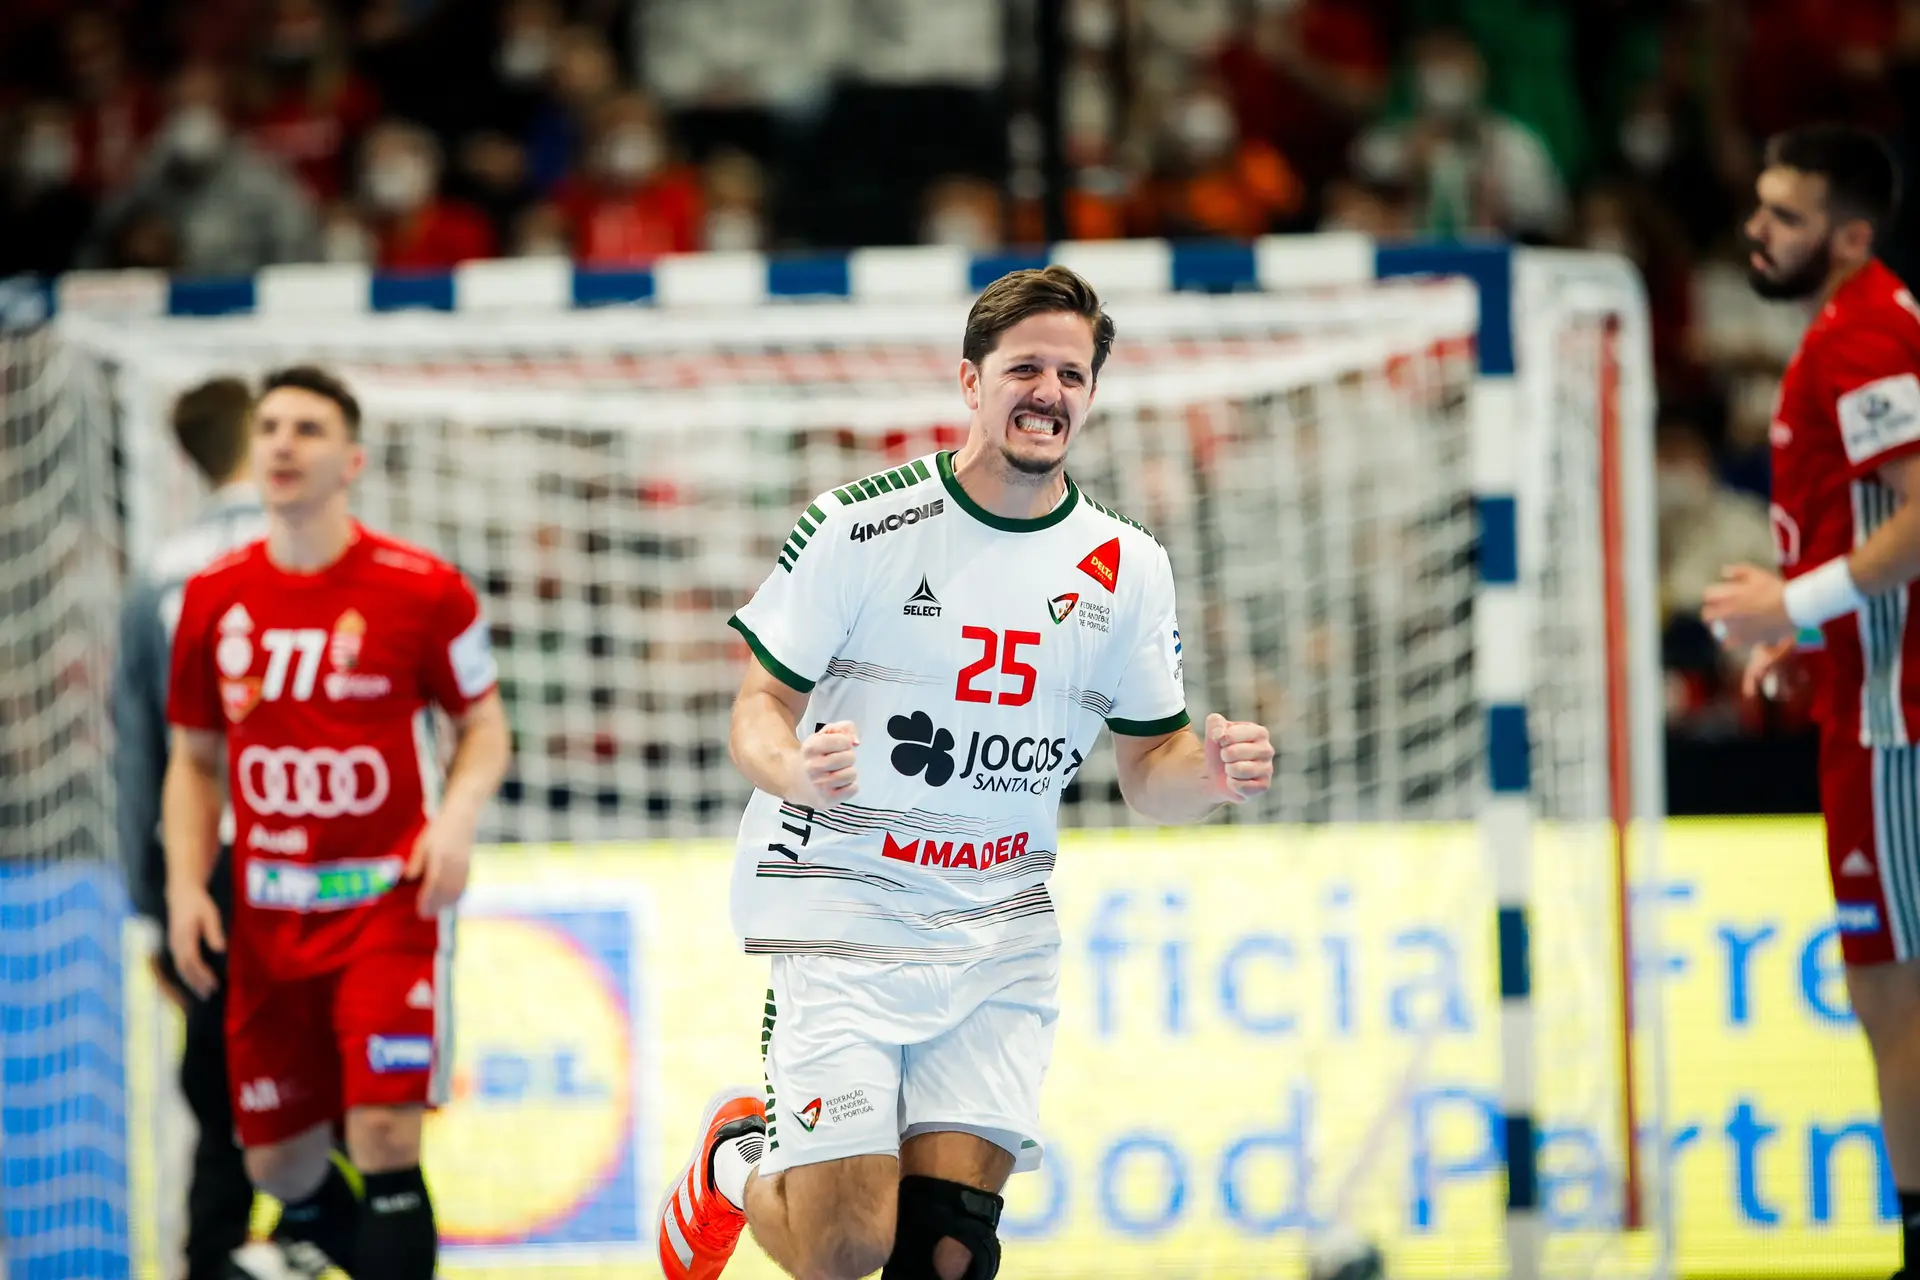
[(978, 657)]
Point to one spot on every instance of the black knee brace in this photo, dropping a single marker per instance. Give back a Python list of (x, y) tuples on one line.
[(932, 1210)]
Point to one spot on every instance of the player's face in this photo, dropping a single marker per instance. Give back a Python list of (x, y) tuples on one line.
[(1790, 235), (302, 454), (1032, 391)]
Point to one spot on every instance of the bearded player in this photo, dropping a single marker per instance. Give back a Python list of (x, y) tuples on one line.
[(935, 653), (311, 659), (1846, 471)]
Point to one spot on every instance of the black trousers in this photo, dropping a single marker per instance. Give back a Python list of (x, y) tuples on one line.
[(220, 1195)]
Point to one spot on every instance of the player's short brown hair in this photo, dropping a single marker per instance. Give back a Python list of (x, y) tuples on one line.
[(1032, 292), (210, 422), (311, 377), (1862, 181)]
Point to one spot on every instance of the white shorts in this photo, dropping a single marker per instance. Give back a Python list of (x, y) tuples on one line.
[(861, 1055)]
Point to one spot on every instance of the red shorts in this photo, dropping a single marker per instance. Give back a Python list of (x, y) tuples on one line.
[(1871, 799), (376, 1032)]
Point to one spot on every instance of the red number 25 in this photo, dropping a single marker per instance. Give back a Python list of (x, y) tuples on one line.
[(1010, 664)]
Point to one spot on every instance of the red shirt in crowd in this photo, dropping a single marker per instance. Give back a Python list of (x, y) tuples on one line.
[(313, 132), (614, 227), (437, 237)]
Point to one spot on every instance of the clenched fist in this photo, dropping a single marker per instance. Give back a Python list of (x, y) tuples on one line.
[(1239, 758), (826, 774)]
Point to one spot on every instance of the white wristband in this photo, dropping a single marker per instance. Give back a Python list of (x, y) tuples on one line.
[(1822, 594)]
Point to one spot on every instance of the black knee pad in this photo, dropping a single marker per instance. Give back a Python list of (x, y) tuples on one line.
[(932, 1210)]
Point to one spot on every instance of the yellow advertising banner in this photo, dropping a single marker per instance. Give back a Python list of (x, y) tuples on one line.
[(1261, 1032)]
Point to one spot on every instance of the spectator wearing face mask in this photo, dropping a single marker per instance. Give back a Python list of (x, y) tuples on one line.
[(491, 119), (413, 227), (44, 212), (736, 200), (1474, 170), (1210, 181), (304, 104), (227, 209), (631, 204)]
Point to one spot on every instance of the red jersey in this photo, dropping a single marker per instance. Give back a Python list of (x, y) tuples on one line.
[(321, 683), (1850, 403), (439, 237)]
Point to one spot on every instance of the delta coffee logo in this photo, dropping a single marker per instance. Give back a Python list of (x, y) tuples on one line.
[(1102, 564), (994, 762)]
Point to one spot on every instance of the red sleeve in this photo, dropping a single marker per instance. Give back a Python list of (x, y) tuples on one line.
[(1870, 375), (193, 692), (459, 660), (476, 235), (681, 202)]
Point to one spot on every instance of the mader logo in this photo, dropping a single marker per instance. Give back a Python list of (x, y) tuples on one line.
[(1103, 564), (955, 855), (1061, 606)]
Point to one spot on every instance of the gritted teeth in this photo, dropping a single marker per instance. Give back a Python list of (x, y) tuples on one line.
[(1036, 424)]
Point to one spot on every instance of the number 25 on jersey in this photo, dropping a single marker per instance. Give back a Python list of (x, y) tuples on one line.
[(1006, 651)]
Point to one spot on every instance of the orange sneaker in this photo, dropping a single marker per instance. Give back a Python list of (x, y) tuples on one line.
[(698, 1226)]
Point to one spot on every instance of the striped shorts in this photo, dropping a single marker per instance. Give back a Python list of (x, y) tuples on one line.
[(1871, 799)]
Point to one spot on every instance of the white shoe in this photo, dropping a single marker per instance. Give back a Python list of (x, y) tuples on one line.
[(278, 1260)]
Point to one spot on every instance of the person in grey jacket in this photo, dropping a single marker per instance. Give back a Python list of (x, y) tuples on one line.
[(203, 201), (211, 422)]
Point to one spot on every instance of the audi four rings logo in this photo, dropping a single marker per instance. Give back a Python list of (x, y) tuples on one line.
[(318, 783)]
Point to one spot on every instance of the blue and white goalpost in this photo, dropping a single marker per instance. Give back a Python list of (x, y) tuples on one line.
[(1408, 495)]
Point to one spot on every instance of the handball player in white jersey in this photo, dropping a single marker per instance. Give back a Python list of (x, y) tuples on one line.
[(936, 652)]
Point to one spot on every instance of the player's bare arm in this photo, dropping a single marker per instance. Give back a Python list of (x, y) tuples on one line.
[(817, 771), (190, 828), (443, 856), (1753, 606), (1179, 777)]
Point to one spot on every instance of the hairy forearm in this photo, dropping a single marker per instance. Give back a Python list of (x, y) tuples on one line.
[(1890, 558), (190, 821), (1170, 784), (763, 744)]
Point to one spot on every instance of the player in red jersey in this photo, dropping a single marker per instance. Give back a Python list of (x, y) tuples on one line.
[(1846, 471), (312, 657)]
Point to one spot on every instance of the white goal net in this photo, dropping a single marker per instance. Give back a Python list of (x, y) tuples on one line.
[(616, 482)]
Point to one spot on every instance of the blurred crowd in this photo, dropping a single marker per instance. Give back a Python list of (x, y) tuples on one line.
[(214, 137)]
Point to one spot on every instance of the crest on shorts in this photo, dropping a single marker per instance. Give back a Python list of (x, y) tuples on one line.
[(809, 1115)]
